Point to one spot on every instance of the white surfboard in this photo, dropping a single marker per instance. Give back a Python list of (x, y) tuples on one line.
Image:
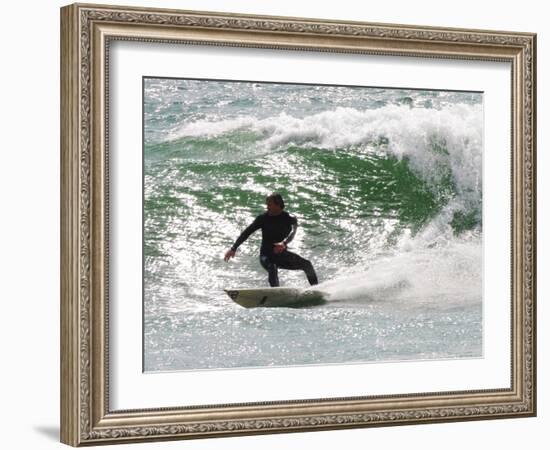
[(275, 297)]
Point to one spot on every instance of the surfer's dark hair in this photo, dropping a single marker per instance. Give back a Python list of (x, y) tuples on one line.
[(277, 199)]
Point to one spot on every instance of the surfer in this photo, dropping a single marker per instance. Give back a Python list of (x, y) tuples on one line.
[(278, 229)]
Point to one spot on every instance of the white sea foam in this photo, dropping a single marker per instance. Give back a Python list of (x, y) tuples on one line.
[(426, 137)]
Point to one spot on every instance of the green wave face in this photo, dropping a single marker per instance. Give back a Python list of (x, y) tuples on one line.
[(325, 188)]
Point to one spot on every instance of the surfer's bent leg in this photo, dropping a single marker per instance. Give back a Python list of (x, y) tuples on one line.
[(310, 273), (292, 261), (271, 268)]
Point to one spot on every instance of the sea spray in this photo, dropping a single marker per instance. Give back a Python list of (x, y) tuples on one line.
[(447, 277)]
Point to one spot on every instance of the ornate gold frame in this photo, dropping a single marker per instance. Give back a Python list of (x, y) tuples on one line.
[(86, 31)]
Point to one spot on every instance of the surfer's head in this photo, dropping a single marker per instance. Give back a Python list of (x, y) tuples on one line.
[(275, 203)]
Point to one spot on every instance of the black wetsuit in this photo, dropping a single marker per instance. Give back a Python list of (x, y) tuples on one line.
[(279, 228)]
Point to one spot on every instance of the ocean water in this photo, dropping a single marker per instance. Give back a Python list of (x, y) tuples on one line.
[(387, 188)]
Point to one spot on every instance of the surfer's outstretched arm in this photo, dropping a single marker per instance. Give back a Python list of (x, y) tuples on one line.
[(256, 225)]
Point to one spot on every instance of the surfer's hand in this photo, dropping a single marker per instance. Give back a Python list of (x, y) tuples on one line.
[(279, 248), (228, 255)]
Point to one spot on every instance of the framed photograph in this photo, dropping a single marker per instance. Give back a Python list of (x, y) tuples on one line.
[(275, 224)]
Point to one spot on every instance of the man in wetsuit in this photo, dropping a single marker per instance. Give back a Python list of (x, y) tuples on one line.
[(278, 229)]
